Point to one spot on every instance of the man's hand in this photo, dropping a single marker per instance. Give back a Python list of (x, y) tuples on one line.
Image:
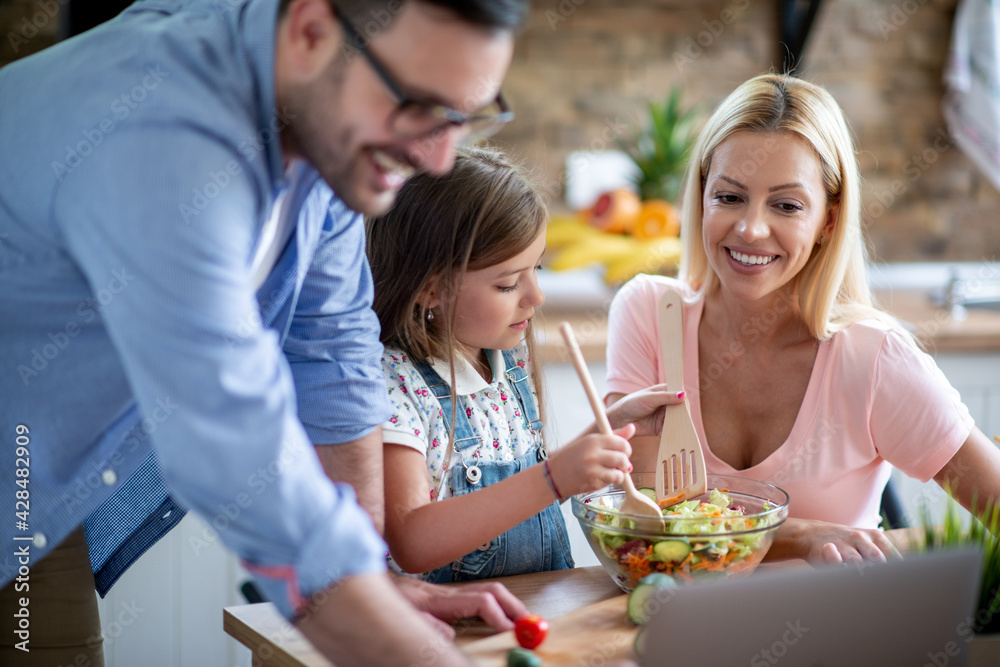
[(490, 601), (364, 620)]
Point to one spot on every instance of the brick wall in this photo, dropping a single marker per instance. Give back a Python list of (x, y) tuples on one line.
[(584, 69)]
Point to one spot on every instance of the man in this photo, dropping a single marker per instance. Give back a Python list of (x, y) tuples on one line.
[(137, 229)]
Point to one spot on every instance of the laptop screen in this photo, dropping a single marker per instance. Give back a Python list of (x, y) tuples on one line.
[(915, 612)]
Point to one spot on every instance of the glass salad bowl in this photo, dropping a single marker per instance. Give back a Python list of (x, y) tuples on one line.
[(711, 536)]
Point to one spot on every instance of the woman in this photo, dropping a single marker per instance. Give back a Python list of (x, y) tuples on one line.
[(793, 376)]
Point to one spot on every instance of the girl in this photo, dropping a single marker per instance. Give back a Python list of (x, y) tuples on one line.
[(470, 492)]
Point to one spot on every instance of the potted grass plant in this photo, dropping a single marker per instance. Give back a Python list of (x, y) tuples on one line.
[(981, 530)]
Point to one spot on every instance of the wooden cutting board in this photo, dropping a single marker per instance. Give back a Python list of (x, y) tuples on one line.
[(595, 634)]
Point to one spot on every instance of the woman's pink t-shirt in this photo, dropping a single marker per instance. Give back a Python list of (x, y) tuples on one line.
[(874, 400)]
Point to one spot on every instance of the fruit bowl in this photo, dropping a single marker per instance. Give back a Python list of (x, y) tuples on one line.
[(687, 547)]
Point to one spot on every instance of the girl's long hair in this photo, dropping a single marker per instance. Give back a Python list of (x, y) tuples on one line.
[(480, 214), (832, 287)]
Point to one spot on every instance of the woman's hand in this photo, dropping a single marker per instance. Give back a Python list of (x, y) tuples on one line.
[(820, 542), (592, 461), (644, 409)]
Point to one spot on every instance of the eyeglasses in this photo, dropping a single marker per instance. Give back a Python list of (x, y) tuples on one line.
[(414, 118)]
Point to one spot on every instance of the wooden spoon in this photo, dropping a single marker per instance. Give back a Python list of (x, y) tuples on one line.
[(680, 462), (633, 502)]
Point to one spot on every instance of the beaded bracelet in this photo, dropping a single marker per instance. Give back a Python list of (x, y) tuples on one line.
[(548, 478)]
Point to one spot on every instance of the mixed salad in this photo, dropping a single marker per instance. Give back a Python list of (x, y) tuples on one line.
[(700, 538)]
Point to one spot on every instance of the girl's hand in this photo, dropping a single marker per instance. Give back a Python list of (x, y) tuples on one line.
[(822, 543), (591, 462), (644, 409)]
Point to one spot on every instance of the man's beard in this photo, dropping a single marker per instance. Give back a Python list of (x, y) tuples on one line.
[(318, 134)]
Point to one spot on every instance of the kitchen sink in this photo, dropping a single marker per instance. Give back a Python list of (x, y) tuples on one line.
[(986, 305), (954, 286)]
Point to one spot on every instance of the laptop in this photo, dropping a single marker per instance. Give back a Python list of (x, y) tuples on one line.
[(917, 612)]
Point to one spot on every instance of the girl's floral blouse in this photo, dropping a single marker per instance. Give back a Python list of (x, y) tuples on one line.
[(492, 409)]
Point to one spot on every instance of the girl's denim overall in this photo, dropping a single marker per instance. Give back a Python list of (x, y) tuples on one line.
[(536, 545)]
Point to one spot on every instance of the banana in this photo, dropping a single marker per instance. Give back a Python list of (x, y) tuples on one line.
[(649, 257), (595, 249), (564, 230)]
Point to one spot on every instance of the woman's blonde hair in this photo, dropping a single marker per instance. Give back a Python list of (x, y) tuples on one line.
[(832, 287)]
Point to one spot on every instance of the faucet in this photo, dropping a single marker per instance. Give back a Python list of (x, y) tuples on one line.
[(955, 297)]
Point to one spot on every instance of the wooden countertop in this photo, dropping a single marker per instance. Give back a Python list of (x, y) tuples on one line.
[(276, 643), (578, 601), (979, 332)]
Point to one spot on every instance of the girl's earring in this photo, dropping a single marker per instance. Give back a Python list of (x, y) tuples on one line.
[(822, 241), (430, 315)]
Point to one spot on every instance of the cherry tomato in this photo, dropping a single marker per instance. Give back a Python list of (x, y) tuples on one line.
[(531, 630)]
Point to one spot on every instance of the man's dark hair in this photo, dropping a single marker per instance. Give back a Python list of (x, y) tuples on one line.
[(491, 14)]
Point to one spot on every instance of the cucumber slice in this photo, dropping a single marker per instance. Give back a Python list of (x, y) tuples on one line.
[(649, 594), (649, 492), (522, 657), (638, 601), (671, 551), (640, 642), (658, 579)]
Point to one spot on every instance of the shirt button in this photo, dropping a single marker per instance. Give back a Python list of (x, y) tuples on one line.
[(484, 547), (39, 540), (109, 477), (167, 514)]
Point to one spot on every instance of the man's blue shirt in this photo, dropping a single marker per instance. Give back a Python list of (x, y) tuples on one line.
[(139, 164)]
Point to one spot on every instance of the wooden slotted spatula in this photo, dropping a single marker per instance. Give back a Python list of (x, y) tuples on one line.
[(680, 463), (634, 502)]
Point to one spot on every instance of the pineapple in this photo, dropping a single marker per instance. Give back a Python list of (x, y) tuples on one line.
[(661, 149)]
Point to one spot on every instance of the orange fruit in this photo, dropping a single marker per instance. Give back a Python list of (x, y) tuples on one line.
[(657, 218)]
